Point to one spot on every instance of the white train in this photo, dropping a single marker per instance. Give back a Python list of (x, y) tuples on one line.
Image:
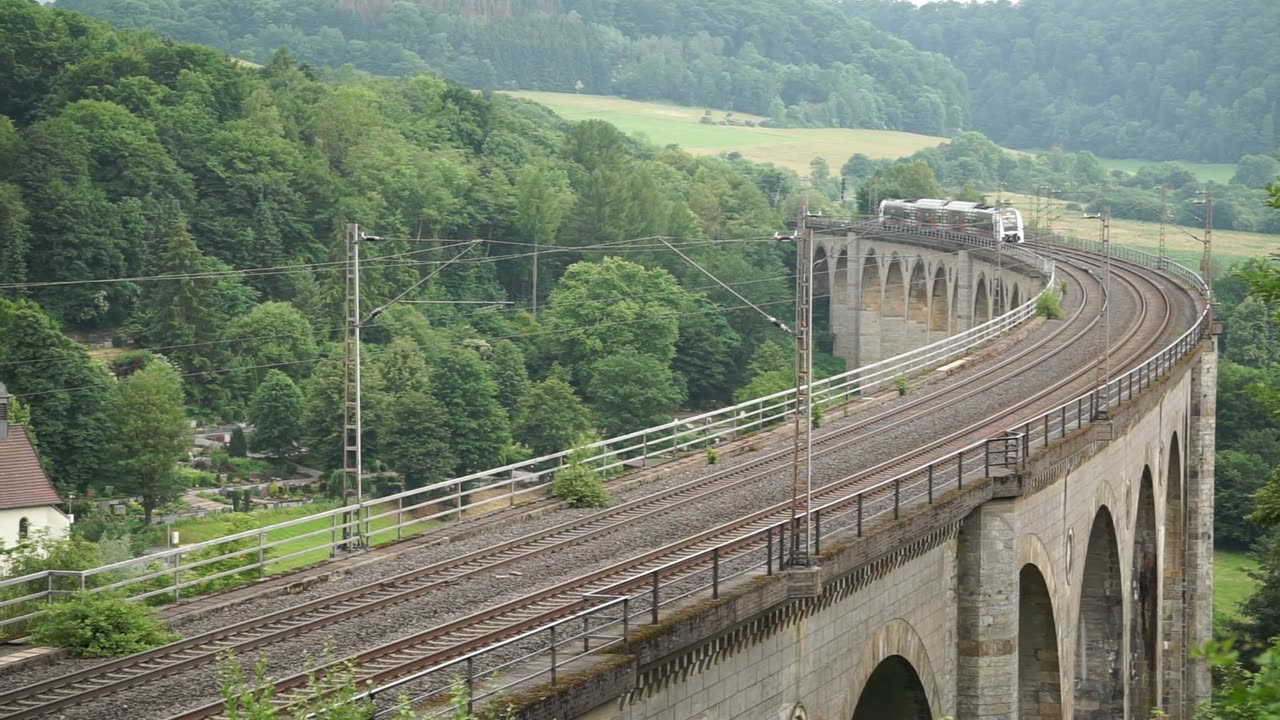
[(954, 216)]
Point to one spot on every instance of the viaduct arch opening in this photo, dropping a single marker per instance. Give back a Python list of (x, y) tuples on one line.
[(1039, 677), (893, 691), (1144, 626), (981, 302), (939, 303), (823, 338), (918, 303), (871, 292), (1099, 693), (895, 296)]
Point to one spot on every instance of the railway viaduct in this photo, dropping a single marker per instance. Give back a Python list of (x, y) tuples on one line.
[(882, 294), (1072, 585)]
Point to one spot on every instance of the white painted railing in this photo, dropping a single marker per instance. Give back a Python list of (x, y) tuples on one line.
[(179, 572)]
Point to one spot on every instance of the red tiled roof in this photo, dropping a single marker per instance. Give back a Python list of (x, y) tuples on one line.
[(22, 480)]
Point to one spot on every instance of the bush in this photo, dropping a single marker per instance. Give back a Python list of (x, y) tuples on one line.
[(579, 484), (237, 447), (713, 456), (100, 625), (902, 385), (816, 419), (1049, 306)]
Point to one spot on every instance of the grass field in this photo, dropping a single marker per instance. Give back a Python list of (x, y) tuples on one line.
[(1228, 245), (665, 124), (1231, 582), (215, 526), (1204, 172)]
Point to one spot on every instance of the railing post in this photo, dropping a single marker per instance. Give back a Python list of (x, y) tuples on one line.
[(333, 536), (553, 654), (860, 514), (586, 632), (768, 544), (261, 554), (471, 685), (930, 483), (817, 532), (48, 589), (960, 470), (644, 449), (177, 579), (715, 573), (626, 616), (1046, 429), (400, 513), (897, 494), (1064, 421), (654, 600), (459, 510)]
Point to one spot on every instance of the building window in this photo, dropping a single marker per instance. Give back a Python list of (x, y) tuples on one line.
[(24, 528)]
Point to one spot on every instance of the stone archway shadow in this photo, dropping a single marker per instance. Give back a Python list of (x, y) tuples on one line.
[(896, 652)]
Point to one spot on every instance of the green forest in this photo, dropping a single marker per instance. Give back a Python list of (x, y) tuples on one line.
[(802, 62), (173, 199), (1173, 80), (1158, 80)]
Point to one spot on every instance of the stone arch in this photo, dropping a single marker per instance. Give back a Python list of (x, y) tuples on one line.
[(872, 293), (897, 638), (1039, 672), (918, 296), (1173, 611), (894, 691), (981, 302), (821, 301), (1144, 627), (840, 283), (1099, 691), (895, 298), (939, 302)]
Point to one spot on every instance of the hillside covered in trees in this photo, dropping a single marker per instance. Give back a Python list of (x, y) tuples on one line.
[(1152, 79), (801, 62), (194, 208)]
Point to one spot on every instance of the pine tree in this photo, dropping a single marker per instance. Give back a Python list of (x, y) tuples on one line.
[(237, 447)]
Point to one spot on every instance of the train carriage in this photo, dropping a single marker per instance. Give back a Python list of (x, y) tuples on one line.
[(957, 216)]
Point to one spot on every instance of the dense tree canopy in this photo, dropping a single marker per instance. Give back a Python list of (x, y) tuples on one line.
[(1174, 79), (801, 62)]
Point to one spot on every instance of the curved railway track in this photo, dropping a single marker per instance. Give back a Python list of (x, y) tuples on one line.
[(504, 620)]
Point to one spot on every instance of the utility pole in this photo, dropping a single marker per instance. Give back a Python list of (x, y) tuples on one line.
[(1103, 375), (802, 470), (352, 425), (1206, 262)]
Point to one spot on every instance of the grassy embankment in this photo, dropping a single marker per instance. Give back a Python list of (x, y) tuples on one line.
[(666, 124), (1231, 582)]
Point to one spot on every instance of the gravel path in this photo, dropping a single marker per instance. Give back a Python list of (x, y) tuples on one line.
[(488, 588)]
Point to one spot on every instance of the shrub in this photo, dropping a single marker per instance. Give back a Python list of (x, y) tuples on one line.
[(902, 385), (713, 456), (579, 484), (1049, 306), (1063, 288), (817, 416), (237, 447), (100, 625)]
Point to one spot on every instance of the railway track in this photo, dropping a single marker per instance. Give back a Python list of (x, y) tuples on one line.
[(493, 624), (483, 628)]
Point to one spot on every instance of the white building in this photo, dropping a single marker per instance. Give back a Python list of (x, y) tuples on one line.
[(28, 502)]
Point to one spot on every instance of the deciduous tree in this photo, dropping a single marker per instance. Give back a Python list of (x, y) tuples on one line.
[(149, 434)]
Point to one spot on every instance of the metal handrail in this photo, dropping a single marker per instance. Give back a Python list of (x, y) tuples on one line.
[(351, 525), (1011, 447)]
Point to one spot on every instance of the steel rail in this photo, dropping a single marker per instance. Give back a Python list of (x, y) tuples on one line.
[(379, 658)]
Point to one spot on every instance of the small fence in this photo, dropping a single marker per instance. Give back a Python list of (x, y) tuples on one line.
[(182, 572), (606, 615)]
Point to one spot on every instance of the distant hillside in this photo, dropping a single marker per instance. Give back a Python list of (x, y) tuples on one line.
[(1153, 79), (799, 62)]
